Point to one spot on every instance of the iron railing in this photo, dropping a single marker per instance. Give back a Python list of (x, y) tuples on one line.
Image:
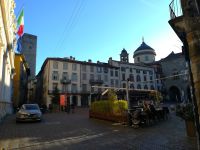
[(175, 9)]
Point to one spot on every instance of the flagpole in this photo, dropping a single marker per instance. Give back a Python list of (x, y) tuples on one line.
[(21, 8)]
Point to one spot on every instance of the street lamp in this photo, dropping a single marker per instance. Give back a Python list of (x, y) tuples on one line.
[(128, 102)]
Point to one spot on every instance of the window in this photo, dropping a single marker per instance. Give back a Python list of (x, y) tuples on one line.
[(151, 72), (84, 76), (84, 68), (138, 59), (65, 88), (105, 70), (116, 83), (123, 76), (145, 78), (137, 71), (74, 88), (84, 87), (74, 76), (145, 87), (151, 78), (99, 69), (132, 86), (65, 65), (105, 78), (91, 76), (55, 65), (123, 69), (146, 58), (144, 72), (55, 75), (138, 78), (138, 86), (74, 67), (111, 73), (65, 76), (116, 73), (175, 74), (99, 77), (91, 68), (55, 86), (131, 77), (112, 82), (124, 85), (131, 70)]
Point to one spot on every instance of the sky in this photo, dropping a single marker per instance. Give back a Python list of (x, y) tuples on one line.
[(97, 29)]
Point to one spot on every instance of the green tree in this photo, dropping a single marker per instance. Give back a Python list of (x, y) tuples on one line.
[(55, 97)]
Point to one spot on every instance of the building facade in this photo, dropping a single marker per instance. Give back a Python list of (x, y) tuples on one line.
[(177, 85), (20, 81), (76, 79), (29, 49), (7, 46)]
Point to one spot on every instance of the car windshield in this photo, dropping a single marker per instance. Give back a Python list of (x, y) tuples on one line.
[(31, 107)]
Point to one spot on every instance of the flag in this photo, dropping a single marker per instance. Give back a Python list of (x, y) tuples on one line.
[(20, 23), (19, 44)]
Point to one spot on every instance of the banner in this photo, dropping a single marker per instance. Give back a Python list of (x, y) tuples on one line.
[(62, 100)]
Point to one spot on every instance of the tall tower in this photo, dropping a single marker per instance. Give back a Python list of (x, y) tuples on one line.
[(124, 56), (29, 47)]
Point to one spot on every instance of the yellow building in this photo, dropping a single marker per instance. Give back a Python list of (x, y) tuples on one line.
[(7, 46), (20, 81)]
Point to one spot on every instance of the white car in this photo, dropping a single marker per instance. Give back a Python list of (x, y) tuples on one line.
[(29, 112)]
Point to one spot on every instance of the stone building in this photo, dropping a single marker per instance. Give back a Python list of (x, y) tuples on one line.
[(75, 78), (20, 81), (29, 49), (7, 46), (177, 83)]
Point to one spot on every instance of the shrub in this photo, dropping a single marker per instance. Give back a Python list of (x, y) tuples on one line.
[(116, 107)]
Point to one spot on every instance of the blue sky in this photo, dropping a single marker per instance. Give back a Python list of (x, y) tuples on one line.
[(98, 29)]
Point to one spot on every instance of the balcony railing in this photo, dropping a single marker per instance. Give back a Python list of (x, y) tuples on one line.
[(175, 9), (65, 81), (94, 82)]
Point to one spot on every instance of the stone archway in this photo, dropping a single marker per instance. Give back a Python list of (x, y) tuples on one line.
[(174, 94)]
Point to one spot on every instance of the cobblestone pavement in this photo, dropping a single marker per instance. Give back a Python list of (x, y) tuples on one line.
[(78, 132)]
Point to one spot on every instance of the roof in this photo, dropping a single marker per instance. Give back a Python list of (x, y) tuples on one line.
[(100, 64), (172, 55), (143, 46)]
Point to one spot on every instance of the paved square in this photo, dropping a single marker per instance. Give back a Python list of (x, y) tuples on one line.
[(77, 131)]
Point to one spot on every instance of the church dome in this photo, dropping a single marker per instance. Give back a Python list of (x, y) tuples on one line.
[(143, 46), (144, 53)]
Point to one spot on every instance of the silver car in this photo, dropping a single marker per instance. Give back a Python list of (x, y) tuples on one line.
[(29, 112)]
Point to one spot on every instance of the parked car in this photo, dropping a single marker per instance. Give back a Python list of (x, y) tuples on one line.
[(29, 112)]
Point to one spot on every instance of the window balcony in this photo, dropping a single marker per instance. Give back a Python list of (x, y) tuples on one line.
[(96, 82), (65, 81)]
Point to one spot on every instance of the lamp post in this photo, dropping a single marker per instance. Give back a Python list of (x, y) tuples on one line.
[(128, 102)]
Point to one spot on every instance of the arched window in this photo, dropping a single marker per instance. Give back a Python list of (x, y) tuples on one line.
[(132, 86), (138, 78), (138, 86), (145, 87)]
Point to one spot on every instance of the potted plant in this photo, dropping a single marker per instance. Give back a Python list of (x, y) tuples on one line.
[(185, 111)]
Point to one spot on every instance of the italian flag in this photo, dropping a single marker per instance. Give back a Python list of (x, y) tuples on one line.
[(20, 23)]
